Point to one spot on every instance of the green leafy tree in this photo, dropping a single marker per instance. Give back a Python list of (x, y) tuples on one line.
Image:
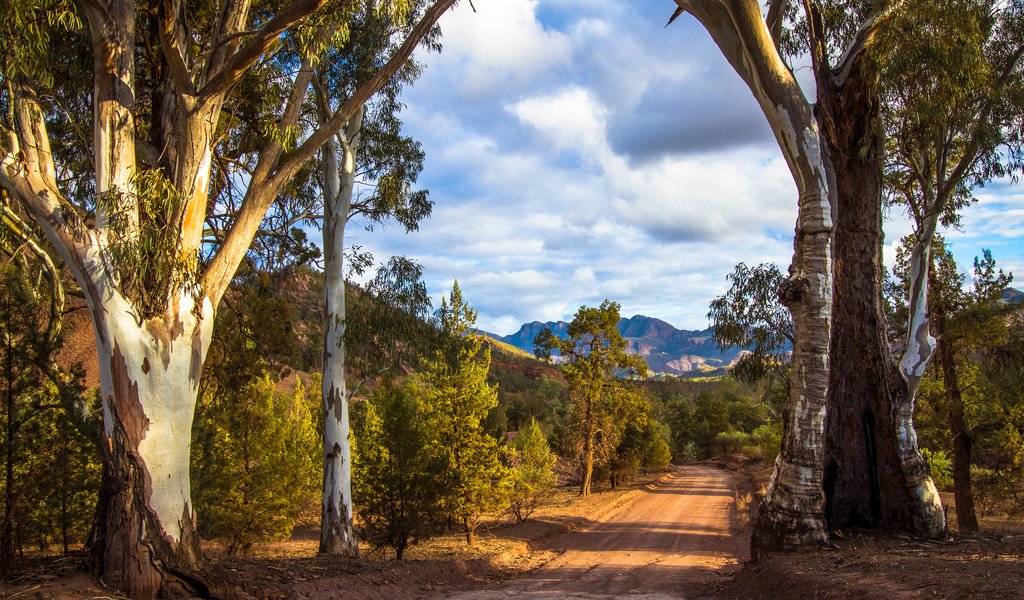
[(477, 481), (50, 469), (397, 471), (533, 465), (749, 315), (197, 111), (254, 462), (593, 354)]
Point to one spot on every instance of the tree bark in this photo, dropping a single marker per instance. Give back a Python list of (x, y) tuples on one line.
[(874, 474), (792, 512), (144, 541), (337, 535), (470, 531), (588, 447)]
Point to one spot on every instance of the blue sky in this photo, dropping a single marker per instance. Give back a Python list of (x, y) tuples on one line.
[(578, 150)]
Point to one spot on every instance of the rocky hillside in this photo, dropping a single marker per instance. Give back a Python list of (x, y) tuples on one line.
[(667, 349)]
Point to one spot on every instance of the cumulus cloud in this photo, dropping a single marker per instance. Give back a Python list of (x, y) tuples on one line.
[(578, 150)]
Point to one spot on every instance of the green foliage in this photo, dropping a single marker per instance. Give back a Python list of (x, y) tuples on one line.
[(940, 468), (953, 105), (592, 355), (533, 471), (254, 461), (145, 246), (476, 480), (26, 32), (750, 315), (51, 470), (385, 323), (768, 438), (397, 471), (699, 412), (984, 344)]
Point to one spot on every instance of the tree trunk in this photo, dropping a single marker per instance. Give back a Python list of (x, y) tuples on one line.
[(144, 540), (963, 441), (470, 531), (865, 481), (792, 512), (588, 448), (337, 535)]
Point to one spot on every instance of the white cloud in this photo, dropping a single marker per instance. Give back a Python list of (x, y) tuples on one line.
[(499, 47), (577, 150)]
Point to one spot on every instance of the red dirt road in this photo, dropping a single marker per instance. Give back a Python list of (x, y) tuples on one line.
[(670, 541)]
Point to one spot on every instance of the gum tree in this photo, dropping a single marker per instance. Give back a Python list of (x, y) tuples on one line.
[(953, 84), (160, 79), (367, 172), (849, 454)]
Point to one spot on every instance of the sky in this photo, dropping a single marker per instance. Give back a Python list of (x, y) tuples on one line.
[(578, 150)]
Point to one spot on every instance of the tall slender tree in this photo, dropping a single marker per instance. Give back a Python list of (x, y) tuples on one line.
[(476, 479), (160, 80), (952, 75), (369, 152)]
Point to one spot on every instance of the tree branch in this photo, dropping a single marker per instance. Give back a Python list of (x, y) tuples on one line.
[(236, 64), (167, 20), (263, 189)]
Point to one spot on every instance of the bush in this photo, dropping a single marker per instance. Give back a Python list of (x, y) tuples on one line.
[(940, 467), (731, 442), (533, 471), (768, 440), (254, 462), (397, 470)]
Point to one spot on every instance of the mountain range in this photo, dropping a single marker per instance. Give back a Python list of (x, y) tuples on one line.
[(666, 349)]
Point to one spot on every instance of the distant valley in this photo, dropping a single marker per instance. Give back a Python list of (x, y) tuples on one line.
[(667, 349)]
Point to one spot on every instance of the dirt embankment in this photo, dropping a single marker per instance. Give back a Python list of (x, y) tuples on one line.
[(872, 566)]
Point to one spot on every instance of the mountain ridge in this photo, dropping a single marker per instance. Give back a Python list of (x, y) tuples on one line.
[(666, 348)]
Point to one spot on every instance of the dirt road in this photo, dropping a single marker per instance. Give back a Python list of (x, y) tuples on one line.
[(667, 542)]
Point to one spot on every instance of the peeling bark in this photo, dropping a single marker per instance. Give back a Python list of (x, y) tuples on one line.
[(337, 535), (877, 477), (847, 405), (144, 541), (792, 512)]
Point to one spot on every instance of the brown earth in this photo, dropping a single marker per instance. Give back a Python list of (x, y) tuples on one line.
[(671, 540), (679, 537)]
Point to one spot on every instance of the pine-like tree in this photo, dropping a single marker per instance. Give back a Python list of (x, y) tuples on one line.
[(533, 470), (254, 460), (477, 481), (397, 472)]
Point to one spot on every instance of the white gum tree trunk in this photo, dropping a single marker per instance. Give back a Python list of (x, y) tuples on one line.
[(919, 349), (336, 531), (150, 358), (792, 512), (149, 378)]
